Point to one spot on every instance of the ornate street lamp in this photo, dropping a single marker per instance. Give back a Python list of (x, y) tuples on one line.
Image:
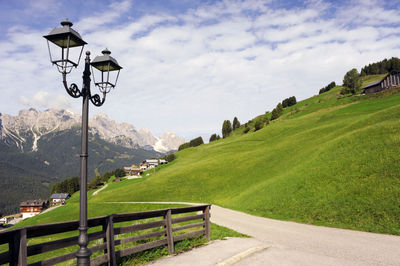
[(71, 42)]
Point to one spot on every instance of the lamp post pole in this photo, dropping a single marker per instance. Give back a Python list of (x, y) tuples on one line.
[(67, 39), (83, 254)]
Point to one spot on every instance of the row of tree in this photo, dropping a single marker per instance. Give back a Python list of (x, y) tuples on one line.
[(327, 87), (69, 185), (381, 67), (193, 143)]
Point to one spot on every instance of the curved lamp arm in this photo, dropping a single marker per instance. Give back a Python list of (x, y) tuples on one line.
[(95, 99), (76, 93), (72, 89)]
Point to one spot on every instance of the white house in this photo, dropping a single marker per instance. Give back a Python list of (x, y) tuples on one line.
[(59, 198)]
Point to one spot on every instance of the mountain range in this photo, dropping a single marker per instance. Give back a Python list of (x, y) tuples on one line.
[(40, 148), (29, 126)]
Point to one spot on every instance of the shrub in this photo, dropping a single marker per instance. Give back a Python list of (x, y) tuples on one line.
[(246, 129), (258, 125), (184, 146), (213, 137), (170, 157), (196, 142)]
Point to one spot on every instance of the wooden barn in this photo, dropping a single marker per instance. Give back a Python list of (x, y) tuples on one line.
[(391, 80)]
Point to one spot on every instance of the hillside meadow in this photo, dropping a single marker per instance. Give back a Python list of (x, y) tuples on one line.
[(329, 160)]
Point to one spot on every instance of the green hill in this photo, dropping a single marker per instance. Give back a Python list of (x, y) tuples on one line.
[(331, 160)]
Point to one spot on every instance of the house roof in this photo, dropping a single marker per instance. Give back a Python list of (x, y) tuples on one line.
[(32, 203), (59, 196), (378, 82)]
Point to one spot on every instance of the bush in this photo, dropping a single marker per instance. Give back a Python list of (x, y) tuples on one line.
[(119, 172), (213, 137), (246, 129), (289, 101), (196, 142), (258, 125), (184, 146), (170, 157), (328, 87)]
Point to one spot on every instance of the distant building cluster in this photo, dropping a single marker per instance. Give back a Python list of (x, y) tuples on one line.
[(145, 165)]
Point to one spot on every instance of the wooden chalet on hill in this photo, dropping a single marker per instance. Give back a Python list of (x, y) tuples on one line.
[(31, 208), (59, 198), (391, 80)]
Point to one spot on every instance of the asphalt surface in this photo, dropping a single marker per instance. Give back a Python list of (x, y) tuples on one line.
[(287, 243)]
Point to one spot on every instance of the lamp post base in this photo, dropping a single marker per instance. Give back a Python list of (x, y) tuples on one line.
[(83, 256)]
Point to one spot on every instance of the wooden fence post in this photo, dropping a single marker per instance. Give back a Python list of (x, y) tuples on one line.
[(17, 248), (110, 241), (168, 227), (206, 219)]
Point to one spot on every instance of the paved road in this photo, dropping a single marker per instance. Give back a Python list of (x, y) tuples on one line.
[(289, 243), (301, 244)]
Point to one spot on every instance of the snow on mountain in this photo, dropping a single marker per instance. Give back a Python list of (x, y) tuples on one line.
[(29, 126)]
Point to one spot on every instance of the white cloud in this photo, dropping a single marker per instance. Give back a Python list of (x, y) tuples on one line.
[(188, 72), (44, 99)]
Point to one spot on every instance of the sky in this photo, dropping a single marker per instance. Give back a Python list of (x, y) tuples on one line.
[(189, 65)]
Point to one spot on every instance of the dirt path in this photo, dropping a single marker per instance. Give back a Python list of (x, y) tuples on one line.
[(97, 191), (292, 243)]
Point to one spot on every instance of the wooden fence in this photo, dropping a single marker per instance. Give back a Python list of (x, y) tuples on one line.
[(109, 236)]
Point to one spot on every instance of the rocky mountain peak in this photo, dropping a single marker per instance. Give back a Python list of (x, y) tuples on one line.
[(30, 125)]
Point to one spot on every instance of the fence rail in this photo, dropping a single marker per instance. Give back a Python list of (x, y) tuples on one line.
[(111, 238)]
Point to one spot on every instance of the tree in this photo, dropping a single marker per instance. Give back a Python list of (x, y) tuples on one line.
[(235, 123), (352, 80), (279, 109), (119, 172), (226, 128), (258, 125), (274, 114), (196, 142), (184, 146), (327, 87), (292, 101), (213, 137)]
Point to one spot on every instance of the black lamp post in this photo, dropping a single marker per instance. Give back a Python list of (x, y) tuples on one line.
[(68, 40)]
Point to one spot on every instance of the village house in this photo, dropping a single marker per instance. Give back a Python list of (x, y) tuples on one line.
[(7, 219), (58, 198), (133, 171), (31, 208), (391, 80), (151, 163)]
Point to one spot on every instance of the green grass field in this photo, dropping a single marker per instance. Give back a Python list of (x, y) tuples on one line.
[(329, 160)]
